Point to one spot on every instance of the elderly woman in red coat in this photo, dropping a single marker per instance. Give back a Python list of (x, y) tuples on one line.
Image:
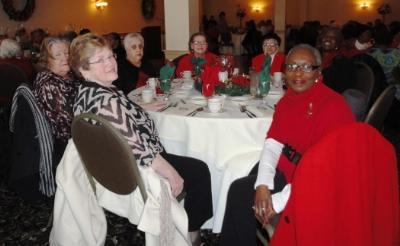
[(271, 55), (198, 56), (308, 111)]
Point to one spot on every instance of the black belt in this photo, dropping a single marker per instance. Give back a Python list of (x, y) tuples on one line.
[(291, 154)]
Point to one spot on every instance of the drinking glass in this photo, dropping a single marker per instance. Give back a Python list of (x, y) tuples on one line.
[(165, 85), (255, 84)]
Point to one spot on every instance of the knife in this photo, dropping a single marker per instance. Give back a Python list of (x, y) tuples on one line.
[(165, 108)]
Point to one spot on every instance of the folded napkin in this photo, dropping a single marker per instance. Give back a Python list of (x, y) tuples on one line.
[(198, 64), (210, 79), (167, 71), (266, 67)]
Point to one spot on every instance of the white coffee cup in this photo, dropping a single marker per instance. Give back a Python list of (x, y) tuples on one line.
[(152, 83), (223, 76), (215, 105), (187, 74), (235, 71), (147, 95)]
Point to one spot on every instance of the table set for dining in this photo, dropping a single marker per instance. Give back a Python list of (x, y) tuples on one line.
[(228, 137)]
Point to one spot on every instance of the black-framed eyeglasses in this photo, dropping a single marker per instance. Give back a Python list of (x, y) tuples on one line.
[(103, 60), (307, 68)]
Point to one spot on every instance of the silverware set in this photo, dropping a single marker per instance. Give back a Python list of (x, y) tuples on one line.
[(249, 114), (194, 112), (175, 104)]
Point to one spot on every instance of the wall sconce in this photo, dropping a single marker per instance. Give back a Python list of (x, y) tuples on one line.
[(364, 5), (100, 4), (257, 9)]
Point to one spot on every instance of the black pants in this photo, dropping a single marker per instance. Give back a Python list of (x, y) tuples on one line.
[(197, 184), (239, 226)]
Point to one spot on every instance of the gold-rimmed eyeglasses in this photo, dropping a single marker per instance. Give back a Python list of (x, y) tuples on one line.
[(104, 60)]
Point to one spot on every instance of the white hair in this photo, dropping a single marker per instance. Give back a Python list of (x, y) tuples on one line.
[(9, 48), (128, 39)]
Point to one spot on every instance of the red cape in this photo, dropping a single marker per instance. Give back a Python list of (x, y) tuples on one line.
[(345, 192)]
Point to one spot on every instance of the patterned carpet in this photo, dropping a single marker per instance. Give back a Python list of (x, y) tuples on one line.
[(24, 223)]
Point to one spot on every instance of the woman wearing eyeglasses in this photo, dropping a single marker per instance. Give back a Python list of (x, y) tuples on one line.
[(308, 111), (93, 61), (54, 89), (271, 59), (133, 71), (198, 56)]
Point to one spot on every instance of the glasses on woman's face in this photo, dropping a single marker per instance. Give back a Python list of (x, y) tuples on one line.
[(270, 45), (105, 59), (199, 43), (307, 68)]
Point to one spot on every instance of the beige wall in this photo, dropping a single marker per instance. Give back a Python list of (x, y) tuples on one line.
[(56, 15), (300, 10)]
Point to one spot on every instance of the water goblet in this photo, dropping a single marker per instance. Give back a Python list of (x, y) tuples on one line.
[(165, 86)]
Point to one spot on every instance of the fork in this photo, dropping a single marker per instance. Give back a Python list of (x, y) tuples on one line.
[(248, 113)]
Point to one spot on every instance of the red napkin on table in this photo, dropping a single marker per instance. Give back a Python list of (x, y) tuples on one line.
[(209, 78)]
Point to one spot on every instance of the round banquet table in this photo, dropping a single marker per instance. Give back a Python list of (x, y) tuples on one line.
[(229, 142)]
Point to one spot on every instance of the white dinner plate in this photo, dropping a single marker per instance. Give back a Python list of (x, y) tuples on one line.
[(241, 99), (183, 94)]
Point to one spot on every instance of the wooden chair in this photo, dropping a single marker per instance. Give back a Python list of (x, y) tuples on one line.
[(379, 110)]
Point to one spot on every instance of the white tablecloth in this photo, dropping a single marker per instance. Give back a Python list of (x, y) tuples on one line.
[(229, 142)]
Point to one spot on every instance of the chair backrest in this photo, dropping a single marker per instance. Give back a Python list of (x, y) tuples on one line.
[(379, 75), (32, 169), (106, 154), (11, 77), (364, 80), (380, 108)]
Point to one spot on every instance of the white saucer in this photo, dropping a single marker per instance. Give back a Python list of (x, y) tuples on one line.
[(183, 94), (199, 100), (241, 99), (207, 110)]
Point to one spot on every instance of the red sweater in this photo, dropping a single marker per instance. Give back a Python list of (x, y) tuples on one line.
[(300, 120), (276, 66), (345, 192), (185, 63)]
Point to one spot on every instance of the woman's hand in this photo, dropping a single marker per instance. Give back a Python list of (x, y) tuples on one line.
[(162, 167), (176, 181), (263, 204)]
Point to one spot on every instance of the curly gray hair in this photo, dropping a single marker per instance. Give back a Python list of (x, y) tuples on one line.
[(9, 48)]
